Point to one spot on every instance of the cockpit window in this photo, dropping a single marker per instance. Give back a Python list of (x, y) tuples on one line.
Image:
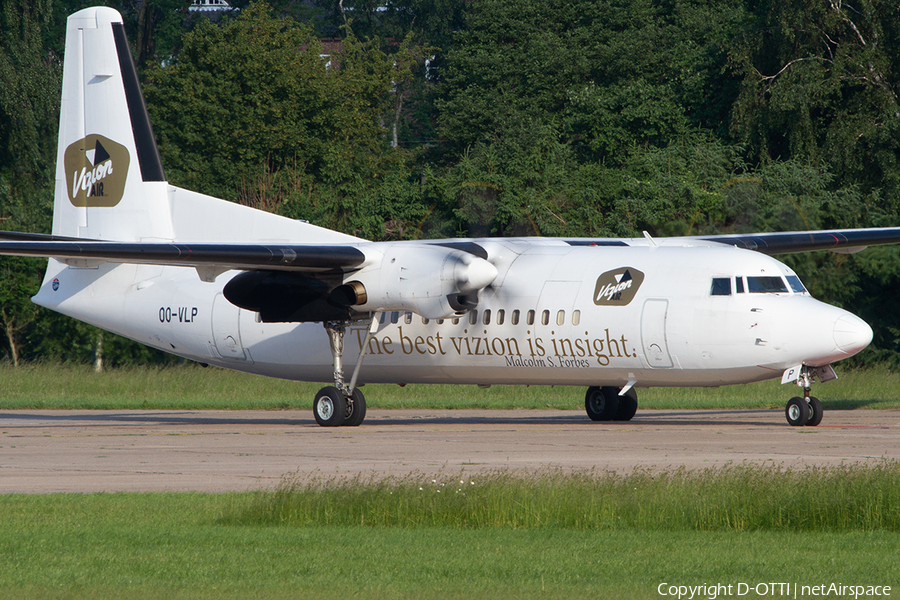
[(721, 286), (796, 284), (766, 285)]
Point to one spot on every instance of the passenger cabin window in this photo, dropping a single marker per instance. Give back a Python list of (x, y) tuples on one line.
[(561, 317), (721, 286), (395, 316), (739, 285), (456, 321), (473, 317), (796, 284), (529, 319), (766, 285), (545, 317), (576, 317), (408, 318), (501, 314), (487, 317), (515, 317)]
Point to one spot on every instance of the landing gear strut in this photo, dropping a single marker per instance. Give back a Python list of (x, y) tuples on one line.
[(605, 403), (806, 410), (341, 404)]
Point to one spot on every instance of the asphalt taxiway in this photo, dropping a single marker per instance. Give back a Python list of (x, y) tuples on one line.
[(210, 451)]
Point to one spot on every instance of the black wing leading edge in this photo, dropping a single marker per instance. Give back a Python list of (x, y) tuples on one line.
[(838, 240), (288, 257)]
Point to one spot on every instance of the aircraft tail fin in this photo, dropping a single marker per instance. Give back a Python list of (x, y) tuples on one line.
[(110, 182)]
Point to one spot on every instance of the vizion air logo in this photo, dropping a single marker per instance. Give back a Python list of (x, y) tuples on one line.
[(96, 168), (617, 287)]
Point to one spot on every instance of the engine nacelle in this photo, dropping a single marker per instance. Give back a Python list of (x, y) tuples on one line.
[(432, 281)]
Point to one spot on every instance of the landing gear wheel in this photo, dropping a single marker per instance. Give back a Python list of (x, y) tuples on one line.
[(330, 407), (356, 409), (627, 406), (815, 412), (797, 411), (601, 404)]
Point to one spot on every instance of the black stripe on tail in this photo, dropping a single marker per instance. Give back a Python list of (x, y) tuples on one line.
[(144, 140)]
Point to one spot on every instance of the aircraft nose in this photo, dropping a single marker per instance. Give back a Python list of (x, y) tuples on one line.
[(851, 334)]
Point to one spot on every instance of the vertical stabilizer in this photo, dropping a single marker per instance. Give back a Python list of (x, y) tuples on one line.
[(110, 182)]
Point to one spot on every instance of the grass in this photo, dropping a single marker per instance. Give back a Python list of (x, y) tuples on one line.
[(194, 387), (247, 546), (733, 498), (548, 535)]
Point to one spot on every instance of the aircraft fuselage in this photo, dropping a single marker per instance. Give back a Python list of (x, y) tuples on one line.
[(556, 314)]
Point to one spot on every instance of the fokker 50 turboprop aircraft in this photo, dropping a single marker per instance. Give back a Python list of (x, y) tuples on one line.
[(228, 285)]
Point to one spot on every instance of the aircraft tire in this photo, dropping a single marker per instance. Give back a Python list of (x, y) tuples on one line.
[(815, 412), (330, 407), (627, 406), (601, 404), (797, 411), (356, 409)]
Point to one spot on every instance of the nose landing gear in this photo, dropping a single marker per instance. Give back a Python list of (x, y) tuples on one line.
[(808, 409)]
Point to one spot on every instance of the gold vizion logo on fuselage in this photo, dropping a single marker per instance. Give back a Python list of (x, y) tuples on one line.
[(96, 168), (617, 287)]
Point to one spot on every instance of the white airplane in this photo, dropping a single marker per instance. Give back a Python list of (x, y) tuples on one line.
[(224, 284)]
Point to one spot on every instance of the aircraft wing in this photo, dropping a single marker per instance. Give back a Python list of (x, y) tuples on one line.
[(333, 257), (288, 257), (21, 236), (838, 240)]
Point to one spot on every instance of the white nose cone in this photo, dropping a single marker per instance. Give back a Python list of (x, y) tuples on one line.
[(475, 276), (851, 334)]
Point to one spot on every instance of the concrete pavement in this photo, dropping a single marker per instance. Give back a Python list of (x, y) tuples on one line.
[(211, 451)]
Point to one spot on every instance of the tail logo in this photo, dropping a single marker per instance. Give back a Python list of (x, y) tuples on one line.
[(96, 168)]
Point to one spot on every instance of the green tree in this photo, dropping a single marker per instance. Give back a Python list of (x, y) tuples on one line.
[(19, 281), (425, 26), (609, 83), (157, 28), (820, 83), (256, 110), (255, 96), (30, 79), (433, 22), (605, 76)]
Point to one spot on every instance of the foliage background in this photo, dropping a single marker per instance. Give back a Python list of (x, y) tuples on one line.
[(486, 117)]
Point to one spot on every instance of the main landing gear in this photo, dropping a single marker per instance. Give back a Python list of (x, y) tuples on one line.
[(806, 410), (341, 404), (605, 403)]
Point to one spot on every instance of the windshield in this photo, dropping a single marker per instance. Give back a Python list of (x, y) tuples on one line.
[(721, 286), (766, 285), (796, 285)]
